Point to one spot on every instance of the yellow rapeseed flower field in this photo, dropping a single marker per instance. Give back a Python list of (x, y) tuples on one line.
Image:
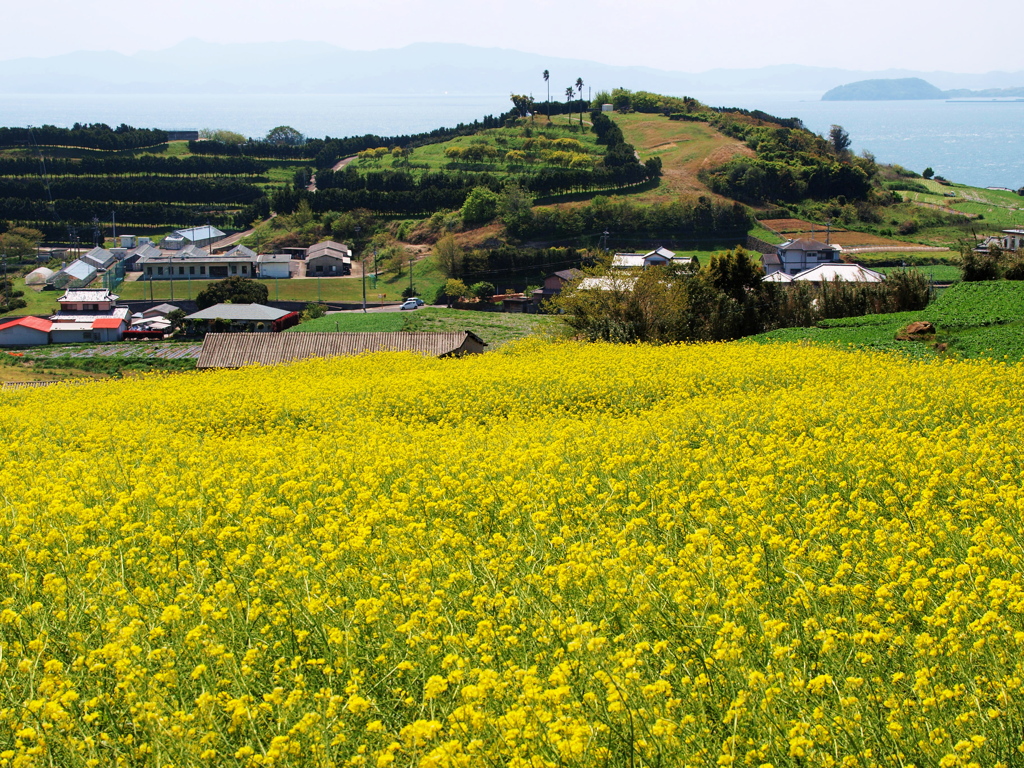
[(556, 555)]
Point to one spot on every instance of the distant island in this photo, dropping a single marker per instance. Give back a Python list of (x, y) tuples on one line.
[(910, 88)]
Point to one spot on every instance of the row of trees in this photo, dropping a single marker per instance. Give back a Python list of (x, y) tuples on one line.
[(87, 136), (475, 264), (135, 189), (726, 299), (120, 165), (53, 219), (693, 216)]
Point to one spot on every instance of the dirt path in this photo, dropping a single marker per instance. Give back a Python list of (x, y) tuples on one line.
[(232, 240)]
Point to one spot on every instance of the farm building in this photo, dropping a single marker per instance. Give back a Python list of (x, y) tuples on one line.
[(199, 236), (77, 274), (243, 318), (100, 258), (276, 265), (25, 332), (38, 276), (234, 350), (195, 264)]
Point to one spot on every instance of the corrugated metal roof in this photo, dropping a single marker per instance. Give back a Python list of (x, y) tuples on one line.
[(326, 246), (199, 233), (233, 350), (254, 312), (35, 323)]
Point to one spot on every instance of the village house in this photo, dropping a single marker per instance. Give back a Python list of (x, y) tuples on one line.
[(25, 332), (1009, 240), (553, 285), (796, 256), (658, 257), (88, 315)]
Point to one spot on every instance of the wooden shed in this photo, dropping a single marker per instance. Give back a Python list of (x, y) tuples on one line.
[(234, 350)]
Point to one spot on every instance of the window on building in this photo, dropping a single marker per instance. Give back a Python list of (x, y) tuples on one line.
[(159, 270), (234, 269), (202, 270), (191, 270), (149, 270), (181, 270), (245, 269)]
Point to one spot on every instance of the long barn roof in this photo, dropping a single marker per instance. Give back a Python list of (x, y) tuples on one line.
[(234, 350)]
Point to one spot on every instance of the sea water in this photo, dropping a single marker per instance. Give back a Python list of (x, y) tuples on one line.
[(977, 143)]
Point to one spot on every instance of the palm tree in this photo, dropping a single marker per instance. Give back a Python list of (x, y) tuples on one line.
[(568, 102), (579, 87), (547, 76)]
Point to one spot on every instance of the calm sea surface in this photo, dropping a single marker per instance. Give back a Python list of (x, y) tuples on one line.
[(974, 143)]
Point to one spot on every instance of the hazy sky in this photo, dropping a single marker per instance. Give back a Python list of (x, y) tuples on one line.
[(685, 35)]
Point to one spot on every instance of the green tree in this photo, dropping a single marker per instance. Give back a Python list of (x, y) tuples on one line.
[(579, 87), (838, 139), (16, 246), (515, 206), (448, 255), (481, 205), (176, 318), (455, 289), (482, 290), (233, 290), (522, 103), (225, 137), (285, 135), (547, 82), (928, 172)]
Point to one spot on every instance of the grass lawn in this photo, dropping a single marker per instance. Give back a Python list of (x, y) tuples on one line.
[(496, 328), (426, 279)]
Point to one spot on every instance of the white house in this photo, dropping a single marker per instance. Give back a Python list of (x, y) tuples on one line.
[(796, 256), (659, 256)]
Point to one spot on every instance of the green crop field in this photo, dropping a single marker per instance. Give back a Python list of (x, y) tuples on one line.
[(496, 328), (973, 320)]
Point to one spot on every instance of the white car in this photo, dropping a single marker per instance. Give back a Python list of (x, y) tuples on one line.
[(412, 303)]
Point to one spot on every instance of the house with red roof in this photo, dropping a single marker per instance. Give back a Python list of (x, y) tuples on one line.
[(25, 332)]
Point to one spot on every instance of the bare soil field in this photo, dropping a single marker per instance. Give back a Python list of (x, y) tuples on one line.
[(805, 230)]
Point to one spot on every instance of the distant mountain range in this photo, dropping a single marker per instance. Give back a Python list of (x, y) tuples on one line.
[(911, 88), (196, 67)]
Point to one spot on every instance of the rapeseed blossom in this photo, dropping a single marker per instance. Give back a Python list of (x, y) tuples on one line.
[(556, 555)]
